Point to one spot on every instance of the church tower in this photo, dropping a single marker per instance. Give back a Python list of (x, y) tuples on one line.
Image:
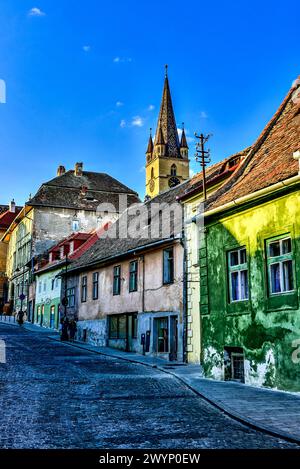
[(167, 162)]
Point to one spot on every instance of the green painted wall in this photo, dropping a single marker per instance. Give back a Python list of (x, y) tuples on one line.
[(266, 327), (47, 295)]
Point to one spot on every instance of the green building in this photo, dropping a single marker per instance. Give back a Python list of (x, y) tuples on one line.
[(47, 297), (250, 262)]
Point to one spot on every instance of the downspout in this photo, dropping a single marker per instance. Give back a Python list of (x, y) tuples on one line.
[(184, 295), (143, 290)]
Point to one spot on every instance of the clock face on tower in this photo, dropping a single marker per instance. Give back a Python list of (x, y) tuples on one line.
[(173, 181)]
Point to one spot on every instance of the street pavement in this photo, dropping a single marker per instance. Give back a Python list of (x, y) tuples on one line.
[(57, 396)]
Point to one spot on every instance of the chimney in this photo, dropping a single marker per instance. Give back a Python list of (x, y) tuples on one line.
[(296, 156), (12, 206), (78, 169), (61, 170)]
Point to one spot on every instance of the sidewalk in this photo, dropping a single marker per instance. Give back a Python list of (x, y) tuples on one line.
[(275, 412)]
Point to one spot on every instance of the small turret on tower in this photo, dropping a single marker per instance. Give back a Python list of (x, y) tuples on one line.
[(160, 146), (149, 152), (184, 149)]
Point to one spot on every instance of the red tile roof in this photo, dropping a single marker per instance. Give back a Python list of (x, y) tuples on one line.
[(215, 173), (270, 159), (6, 218)]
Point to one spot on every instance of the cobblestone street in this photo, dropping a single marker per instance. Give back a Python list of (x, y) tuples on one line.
[(57, 396)]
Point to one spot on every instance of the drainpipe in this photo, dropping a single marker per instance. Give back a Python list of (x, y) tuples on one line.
[(184, 296), (143, 290)]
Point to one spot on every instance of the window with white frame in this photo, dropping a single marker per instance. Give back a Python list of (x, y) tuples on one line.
[(75, 225), (280, 265), (238, 275)]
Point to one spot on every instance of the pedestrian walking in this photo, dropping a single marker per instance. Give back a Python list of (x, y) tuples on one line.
[(20, 318)]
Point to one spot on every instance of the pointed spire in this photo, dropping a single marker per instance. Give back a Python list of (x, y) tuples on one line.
[(160, 136), (167, 123), (150, 143), (183, 142)]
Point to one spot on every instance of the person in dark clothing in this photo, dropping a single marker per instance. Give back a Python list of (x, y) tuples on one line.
[(72, 329), (64, 329), (20, 318)]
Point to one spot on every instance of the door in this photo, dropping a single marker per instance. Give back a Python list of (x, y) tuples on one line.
[(173, 337), (131, 331), (52, 317), (162, 330)]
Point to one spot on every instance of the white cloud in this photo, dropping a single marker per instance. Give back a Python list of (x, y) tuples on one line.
[(122, 59), (119, 104), (123, 123), (86, 48), (137, 121), (36, 12), (203, 115), (2, 92), (151, 107)]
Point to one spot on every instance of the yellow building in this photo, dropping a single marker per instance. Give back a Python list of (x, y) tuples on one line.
[(216, 176), (167, 162)]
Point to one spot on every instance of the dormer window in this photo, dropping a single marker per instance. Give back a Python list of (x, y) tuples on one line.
[(75, 224), (50, 257)]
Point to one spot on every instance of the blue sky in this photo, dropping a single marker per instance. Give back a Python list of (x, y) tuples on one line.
[(84, 80)]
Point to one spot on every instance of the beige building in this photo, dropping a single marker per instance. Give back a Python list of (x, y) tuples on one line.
[(75, 200), (129, 290)]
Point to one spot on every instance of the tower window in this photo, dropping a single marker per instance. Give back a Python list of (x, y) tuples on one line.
[(173, 170), (152, 173)]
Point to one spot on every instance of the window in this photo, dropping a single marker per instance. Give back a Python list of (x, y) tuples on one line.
[(83, 288), (152, 173), (133, 271), (173, 170), (168, 266), (71, 247), (75, 225), (117, 326), (40, 287), (234, 366), (280, 265), (61, 252), (117, 280), (45, 285), (238, 275), (52, 284), (95, 285), (71, 297)]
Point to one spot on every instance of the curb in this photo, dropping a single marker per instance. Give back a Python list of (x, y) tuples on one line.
[(227, 411)]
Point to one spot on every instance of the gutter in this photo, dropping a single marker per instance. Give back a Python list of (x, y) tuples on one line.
[(247, 198), (118, 256)]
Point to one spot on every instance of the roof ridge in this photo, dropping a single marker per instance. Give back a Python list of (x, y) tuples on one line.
[(254, 148)]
